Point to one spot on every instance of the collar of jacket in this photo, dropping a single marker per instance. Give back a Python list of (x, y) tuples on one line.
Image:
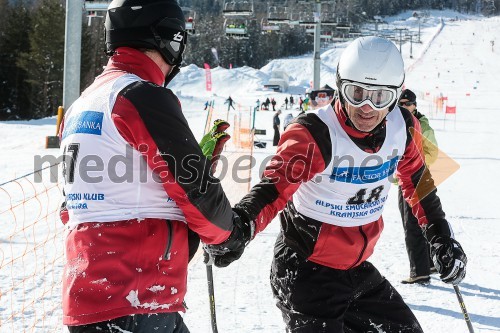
[(417, 114), (134, 61)]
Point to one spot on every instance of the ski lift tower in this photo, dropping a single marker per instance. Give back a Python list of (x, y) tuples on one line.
[(316, 25), (400, 30), (317, 37), (73, 45), (72, 51), (317, 46)]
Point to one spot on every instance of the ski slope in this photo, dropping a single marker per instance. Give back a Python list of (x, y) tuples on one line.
[(456, 60)]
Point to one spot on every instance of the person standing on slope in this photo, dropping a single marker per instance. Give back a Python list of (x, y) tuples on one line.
[(329, 181), (276, 127), (149, 186), (421, 264)]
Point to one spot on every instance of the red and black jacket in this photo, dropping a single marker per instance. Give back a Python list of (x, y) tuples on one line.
[(330, 245), (119, 268)]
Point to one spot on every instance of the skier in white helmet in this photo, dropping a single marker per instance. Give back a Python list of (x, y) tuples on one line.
[(329, 182)]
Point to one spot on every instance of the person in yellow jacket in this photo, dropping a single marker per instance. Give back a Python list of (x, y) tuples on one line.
[(421, 265)]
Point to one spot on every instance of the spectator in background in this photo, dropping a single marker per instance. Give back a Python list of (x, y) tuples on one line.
[(273, 103), (321, 97), (286, 103), (266, 103), (291, 101), (276, 127), (300, 104), (305, 103), (206, 105), (421, 265)]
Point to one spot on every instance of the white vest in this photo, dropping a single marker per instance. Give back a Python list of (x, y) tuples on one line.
[(106, 180), (353, 188)]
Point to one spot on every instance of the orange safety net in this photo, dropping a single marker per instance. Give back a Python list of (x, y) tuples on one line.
[(31, 254)]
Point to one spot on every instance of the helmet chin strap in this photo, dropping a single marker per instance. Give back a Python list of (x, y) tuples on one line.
[(170, 76)]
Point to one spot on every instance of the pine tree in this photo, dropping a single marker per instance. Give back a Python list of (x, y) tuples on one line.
[(488, 8), (15, 19), (44, 62)]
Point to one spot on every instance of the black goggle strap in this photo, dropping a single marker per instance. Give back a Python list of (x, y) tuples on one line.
[(174, 46)]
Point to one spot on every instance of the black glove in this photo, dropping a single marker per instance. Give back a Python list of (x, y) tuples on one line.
[(225, 253), (449, 259)]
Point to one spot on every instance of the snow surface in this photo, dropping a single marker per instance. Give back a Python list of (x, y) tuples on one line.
[(454, 59)]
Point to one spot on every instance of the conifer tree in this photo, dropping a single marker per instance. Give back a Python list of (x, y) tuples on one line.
[(44, 62), (14, 23)]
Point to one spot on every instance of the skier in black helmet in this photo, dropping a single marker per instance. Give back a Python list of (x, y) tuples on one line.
[(130, 223)]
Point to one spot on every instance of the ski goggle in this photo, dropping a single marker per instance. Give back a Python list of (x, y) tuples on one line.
[(407, 103), (322, 95), (171, 39), (378, 97)]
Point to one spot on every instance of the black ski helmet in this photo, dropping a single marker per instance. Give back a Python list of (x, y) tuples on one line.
[(149, 24)]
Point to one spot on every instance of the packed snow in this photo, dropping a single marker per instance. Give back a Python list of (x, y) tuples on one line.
[(456, 59)]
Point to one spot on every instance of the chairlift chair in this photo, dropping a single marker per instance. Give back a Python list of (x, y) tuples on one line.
[(190, 23), (277, 14), (238, 8), (268, 27), (310, 29), (94, 8), (236, 28), (327, 35)]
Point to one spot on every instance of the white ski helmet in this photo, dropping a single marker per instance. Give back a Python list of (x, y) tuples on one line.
[(371, 61)]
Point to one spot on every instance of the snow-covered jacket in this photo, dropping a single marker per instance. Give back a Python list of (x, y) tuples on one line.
[(330, 212), (127, 238)]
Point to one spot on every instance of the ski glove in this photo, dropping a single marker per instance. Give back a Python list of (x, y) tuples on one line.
[(213, 142), (449, 259), (225, 253), (207, 143)]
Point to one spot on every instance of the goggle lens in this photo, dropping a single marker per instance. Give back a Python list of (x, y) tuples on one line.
[(379, 97)]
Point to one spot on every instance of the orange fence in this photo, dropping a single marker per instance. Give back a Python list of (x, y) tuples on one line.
[(234, 169), (240, 129), (31, 254)]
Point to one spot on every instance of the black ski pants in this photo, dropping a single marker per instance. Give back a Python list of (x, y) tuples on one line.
[(417, 246), (276, 137), (317, 299), (170, 322)]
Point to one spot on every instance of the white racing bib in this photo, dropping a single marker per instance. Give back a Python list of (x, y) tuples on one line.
[(106, 180), (353, 188)]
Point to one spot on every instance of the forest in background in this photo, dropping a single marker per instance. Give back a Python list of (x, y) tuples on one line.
[(32, 42)]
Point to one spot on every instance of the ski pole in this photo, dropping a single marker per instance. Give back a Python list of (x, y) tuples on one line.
[(211, 292), (464, 310)]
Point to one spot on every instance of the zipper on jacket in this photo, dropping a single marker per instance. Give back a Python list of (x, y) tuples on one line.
[(365, 244), (166, 255)]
